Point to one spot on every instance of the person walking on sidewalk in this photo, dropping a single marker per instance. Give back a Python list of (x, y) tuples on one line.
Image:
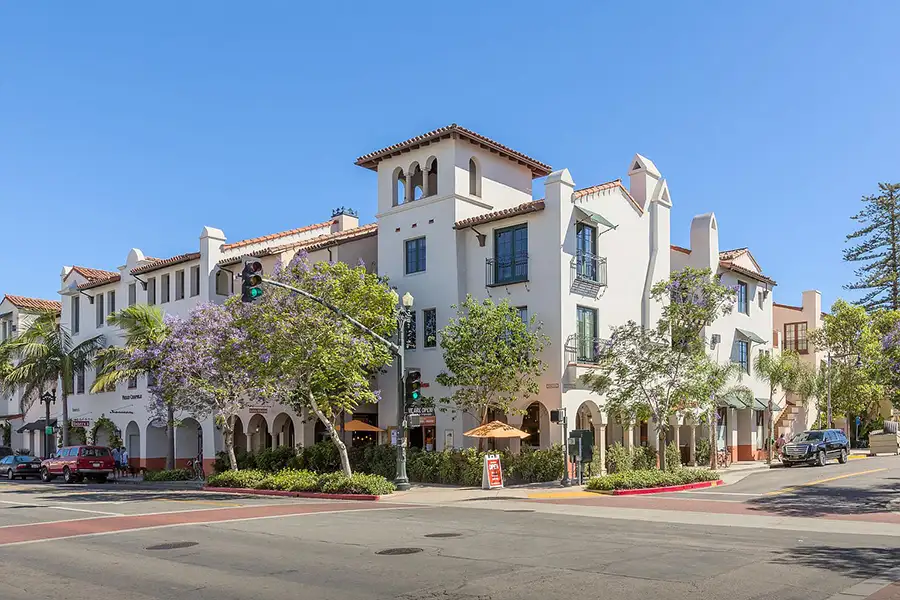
[(779, 446)]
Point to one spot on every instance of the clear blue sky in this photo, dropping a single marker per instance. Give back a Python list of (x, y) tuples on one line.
[(125, 125)]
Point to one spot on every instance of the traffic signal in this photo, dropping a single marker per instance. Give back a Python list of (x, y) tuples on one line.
[(413, 385), (251, 280)]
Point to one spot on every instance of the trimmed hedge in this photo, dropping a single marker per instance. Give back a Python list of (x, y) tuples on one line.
[(632, 480), (297, 480), (168, 475)]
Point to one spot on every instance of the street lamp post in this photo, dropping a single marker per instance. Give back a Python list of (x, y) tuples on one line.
[(828, 402), (47, 398), (404, 313)]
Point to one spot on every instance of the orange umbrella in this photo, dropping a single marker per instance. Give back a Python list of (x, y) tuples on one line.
[(496, 429), (357, 425)]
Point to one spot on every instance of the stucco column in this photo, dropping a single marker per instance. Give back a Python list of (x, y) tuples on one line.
[(600, 441), (731, 432), (693, 448), (628, 434), (515, 444)]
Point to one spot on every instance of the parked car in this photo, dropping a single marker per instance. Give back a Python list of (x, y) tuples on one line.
[(16, 466), (6, 451), (815, 447), (75, 463)]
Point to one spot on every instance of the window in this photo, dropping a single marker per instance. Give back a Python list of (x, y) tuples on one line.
[(410, 332), (151, 291), (151, 379), (164, 289), (398, 186), (415, 255), (743, 306), (795, 337), (523, 313), (132, 294), (585, 249), (132, 382), (79, 381), (110, 302), (429, 315), (195, 281), (179, 285), (223, 283), (587, 346), (743, 355), (511, 254), (98, 305), (474, 179), (76, 314)]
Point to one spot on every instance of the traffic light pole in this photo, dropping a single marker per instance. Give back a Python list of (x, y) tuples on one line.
[(401, 480)]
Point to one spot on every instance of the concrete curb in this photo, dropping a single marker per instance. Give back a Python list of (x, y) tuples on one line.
[(662, 490), (323, 496)]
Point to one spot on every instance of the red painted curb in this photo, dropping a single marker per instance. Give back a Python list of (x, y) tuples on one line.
[(670, 488), (292, 494)]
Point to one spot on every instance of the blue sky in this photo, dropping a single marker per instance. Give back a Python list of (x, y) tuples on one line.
[(125, 125)]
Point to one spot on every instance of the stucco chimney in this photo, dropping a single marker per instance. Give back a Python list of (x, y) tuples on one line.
[(812, 305), (643, 177), (558, 188), (344, 219), (705, 242)]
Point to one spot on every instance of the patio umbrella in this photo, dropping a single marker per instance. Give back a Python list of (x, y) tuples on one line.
[(496, 429), (357, 425)]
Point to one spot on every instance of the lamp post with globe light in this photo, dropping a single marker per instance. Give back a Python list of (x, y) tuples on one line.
[(404, 314)]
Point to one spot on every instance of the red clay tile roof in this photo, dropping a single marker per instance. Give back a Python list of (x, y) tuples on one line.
[(165, 262), (92, 274), (522, 209), (788, 306), (680, 249), (609, 185), (727, 264), (316, 243), (98, 282), (731, 254), (371, 160), (275, 236), (33, 303)]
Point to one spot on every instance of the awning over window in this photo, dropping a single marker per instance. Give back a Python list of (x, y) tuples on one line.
[(594, 217), (750, 336), (735, 400), (35, 426)]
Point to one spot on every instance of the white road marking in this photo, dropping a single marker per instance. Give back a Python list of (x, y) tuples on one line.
[(84, 510), (721, 493)]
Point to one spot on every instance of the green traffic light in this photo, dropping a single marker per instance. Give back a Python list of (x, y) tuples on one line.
[(415, 395), (255, 292)]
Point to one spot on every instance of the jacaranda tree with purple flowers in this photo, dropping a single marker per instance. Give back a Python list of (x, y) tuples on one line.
[(210, 359), (313, 359)]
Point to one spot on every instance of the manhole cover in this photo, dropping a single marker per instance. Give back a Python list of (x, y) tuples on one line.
[(442, 535), (518, 510), (398, 551), (171, 546)]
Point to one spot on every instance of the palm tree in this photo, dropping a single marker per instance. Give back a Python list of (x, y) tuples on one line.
[(145, 331), (778, 371), (46, 354), (715, 385)]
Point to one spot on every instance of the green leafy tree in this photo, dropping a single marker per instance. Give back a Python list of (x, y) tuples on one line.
[(46, 354), (712, 384), (692, 300), (779, 371), (877, 247), (492, 358), (145, 330), (312, 358)]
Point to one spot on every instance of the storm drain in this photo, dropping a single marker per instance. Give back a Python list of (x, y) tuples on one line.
[(398, 551), (442, 535), (171, 546)]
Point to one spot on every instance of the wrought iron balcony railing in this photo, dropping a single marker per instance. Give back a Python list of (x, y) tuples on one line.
[(582, 349), (506, 269)]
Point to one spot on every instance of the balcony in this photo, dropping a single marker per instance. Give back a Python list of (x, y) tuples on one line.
[(506, 270), (588, 273), (584, 350)]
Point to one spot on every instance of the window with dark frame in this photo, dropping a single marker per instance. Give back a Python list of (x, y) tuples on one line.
[(523, 313), (98, 306), (795, 337), (195, 281), (410, 332), (742, 304), (585, 250), (415, 255), (132, 294), (76, 314), (743, 355), (151, 291), (164, 289), (223, 283), (110, 302), (179, 285), (429, 317), (586, 334), (511, 254), (132, 382), (79, 381)]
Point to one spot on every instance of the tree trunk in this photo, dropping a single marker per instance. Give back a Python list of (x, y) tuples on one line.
[(342, 448), (661, 441), (713, 448), (770, 425), (228, 434), (170, 436), (65, 417)]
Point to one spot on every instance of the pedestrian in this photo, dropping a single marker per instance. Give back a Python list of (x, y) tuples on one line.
[(117, 461), (779, 445), (125, 461)]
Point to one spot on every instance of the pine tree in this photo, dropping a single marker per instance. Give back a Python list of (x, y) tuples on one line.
[(878, 247)]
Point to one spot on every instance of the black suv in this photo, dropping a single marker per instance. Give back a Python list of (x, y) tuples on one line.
[(815, 447)]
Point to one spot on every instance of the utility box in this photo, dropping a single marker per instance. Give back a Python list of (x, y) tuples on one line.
[(586, 453)]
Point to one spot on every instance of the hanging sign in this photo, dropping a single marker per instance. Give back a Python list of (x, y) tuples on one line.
[(492, 475), (81, 422)]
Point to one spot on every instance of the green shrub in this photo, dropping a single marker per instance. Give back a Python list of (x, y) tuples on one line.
[(644, 459), (322, 457), (534, 466), (168, 475), (294, 480), (673, 457), (237, 479), (631, 480), (375, 459), (358, 483), (274, 459), (618, 459), (702, 452)]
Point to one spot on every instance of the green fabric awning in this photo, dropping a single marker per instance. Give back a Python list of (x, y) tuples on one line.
[(592, 216), (734, 401), (751, 336)]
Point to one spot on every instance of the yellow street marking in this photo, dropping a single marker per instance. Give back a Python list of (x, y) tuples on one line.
[(818, 481), (555, 495), (857, 456), (211, 502)]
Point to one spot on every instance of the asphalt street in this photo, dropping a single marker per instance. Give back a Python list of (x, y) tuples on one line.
[(86, 543)]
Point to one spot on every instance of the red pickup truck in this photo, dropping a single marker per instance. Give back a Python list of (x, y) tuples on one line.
[(75, 463)]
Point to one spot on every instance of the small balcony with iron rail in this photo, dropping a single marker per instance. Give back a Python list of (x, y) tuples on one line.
[(506, 270), (587, 273), (582, 354)]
